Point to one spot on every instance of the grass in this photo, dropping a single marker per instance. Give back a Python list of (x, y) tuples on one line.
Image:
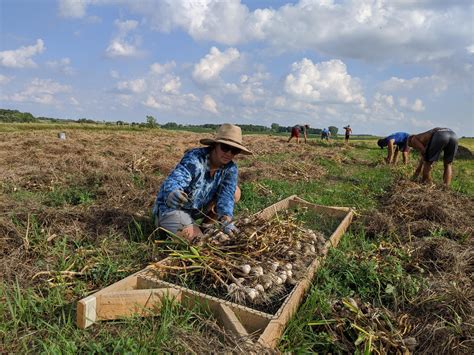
[(40, 315)]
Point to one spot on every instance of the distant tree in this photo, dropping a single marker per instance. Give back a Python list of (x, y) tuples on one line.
[(333, 131), (119, 123), (151, 122), (275, 127)]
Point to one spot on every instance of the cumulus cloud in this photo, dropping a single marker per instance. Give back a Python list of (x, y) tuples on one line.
[(323, 82), (21, 57), (124, 45), (159, 69), (172, 86), (43, 91), (433, 83), (209, 67), (132, 86), (209, 104), (73, 8), (4, 79), (63, 65), (416, 106)]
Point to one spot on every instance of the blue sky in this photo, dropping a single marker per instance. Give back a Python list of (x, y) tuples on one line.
[(379, 65)]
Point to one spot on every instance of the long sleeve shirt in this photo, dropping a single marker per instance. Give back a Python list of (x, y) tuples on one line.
[(192, 175)]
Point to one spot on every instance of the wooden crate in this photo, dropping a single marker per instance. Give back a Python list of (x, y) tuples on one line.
[(143, 291)]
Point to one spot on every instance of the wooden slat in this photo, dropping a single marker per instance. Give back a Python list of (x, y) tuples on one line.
[(341, 229), (86, 308), (275, 328), (251, 321), (229, 321), (114, 305)]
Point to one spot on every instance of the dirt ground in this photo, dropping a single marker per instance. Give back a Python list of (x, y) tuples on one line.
[(435, 225)]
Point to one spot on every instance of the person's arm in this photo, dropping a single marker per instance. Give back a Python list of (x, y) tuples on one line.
[(416, 143), (395, 156), (389, 151), (418, 168), (180, 177), (225, 195)]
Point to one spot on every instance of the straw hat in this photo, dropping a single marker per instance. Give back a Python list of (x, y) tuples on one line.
[(228, 134)]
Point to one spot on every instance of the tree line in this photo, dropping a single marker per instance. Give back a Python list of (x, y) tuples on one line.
[(12, 116)]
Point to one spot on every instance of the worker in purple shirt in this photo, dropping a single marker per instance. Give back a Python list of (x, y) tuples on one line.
[(202, 185), (396, 142)]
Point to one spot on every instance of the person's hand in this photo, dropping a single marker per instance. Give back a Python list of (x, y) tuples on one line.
[(229, 228), (176, 198)]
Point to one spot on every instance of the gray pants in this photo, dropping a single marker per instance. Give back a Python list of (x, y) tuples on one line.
[(174, 221)]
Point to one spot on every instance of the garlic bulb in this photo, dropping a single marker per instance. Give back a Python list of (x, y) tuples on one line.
[(257, 271), (251, 293), (259, 288), (288, 266), (245, 268), (278, 280), (275, 265)]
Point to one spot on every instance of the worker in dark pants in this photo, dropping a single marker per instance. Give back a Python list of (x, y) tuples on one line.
[(430, 144)]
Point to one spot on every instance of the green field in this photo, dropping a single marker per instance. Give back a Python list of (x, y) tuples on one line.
[(75, 217)]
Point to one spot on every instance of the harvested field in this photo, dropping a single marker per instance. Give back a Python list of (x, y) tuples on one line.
[(75, 217), (435, 226)]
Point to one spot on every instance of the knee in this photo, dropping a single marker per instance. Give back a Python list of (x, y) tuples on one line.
[(237, 194), (190, 232)]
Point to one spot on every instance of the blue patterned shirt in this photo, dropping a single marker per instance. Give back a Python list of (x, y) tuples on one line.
[(192, 175)]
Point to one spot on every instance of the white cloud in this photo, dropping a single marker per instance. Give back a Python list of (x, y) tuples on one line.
[(209, 104), (73, 101), (209, 67), (63, 65), (323, 82), (172, 86), (159, 69), (21, 57), (5, 79), (43, 91), (470, 49), (73, 8), (133, 86), (432, 83), (123, 45), (416, 106), (151, 102)]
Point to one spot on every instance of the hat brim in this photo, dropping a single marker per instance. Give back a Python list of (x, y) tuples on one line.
[(209, 141)]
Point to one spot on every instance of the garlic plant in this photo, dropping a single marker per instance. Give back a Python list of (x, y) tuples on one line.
[(264, 261)]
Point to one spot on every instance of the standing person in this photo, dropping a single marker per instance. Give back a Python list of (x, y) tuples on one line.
[(325, 134), (396, 142), (203, 184), (430, 144), (348, 133), (296, 132)]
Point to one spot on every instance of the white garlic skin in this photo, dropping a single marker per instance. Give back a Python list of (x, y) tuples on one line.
[(259, 288), (245, 269), (278, 280), (288, 266), (257, 271), (251, 293)]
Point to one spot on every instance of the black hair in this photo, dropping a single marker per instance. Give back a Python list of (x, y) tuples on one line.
[(382, 142)]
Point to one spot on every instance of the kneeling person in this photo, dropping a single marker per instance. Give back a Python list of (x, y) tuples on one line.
[(203, 184), (430, 144)]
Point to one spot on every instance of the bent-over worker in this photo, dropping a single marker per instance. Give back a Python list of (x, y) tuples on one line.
[(296, 132), (430, 144), (395, 142), (203, 184)]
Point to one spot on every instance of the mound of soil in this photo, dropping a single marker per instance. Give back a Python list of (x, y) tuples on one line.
[(435, 226), (411, 209), (464, 153)]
